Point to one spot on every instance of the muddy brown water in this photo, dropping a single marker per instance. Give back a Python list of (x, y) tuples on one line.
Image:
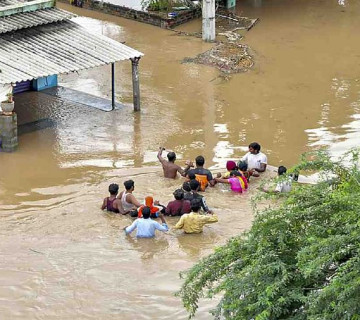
[(62, 258)]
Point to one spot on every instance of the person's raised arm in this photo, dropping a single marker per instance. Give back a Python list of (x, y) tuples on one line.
[(182, 171), (189, 164), (159, 155)]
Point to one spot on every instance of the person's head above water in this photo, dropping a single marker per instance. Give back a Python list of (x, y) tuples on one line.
[(178, 194), (194, 185), (146, 212), (186, 186), (113, 189), (254, 148), (129, 185), (195, 205), (230, 165), (171, 156), (199, 161), (281, 170), (234, 173), (242, 165)]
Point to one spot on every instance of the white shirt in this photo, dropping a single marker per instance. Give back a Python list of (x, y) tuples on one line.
[(284, 186), (146, 227), (254, 160)]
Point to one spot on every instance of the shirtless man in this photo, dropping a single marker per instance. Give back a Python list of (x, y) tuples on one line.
[(170, 168)]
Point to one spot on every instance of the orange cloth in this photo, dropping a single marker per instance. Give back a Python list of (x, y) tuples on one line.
[(202, 180), (149, 202)]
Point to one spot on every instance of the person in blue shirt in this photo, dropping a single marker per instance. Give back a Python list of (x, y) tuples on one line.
[(145, 226)]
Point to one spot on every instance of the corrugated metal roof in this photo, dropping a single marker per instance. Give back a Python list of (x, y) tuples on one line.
[(56, 48), (5, 3), (32, 19), (11, 7)]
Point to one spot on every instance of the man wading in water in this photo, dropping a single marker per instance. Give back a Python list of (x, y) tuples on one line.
[(170, 168), (128, 201)]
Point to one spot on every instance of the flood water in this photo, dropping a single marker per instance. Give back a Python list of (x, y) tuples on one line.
[(61, 257)]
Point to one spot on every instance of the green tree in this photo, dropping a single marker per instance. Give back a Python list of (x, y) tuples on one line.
[(300, 259)]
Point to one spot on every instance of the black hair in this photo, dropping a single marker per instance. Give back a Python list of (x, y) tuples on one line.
[(114, 189), (146, 212), (235, 173), (195, 205), (171, 156), (200, 160), (178, 194), (194, 185), (242, 165), (281, 170), (186, 186), (129, 184), (191, 176), (255, 146)]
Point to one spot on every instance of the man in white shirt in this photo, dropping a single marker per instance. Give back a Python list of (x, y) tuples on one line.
[(145, 226), (255, 159)]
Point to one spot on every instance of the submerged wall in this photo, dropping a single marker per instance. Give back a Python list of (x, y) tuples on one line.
[(141, 16), (8, 132)]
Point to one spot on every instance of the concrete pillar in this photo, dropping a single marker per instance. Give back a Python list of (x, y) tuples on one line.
[(136, 84), (208, 20), (8, 132), (112, 86)]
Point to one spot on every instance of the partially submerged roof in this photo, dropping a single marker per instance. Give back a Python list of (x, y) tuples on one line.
[(33, 19), (56, 48), (38, 40)]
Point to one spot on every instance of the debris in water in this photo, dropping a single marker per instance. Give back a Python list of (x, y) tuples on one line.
[(227, 57)]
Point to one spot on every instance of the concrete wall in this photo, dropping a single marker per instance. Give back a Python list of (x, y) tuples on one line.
[(8, 132), (150, 18)]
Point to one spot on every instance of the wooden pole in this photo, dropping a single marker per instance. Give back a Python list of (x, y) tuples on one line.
[(136, 85), (113, 86), (208, 20)]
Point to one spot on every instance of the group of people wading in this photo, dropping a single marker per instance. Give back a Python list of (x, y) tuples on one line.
[(189, 204)]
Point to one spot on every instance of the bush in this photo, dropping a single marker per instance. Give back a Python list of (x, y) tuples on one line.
[(300, 259), (157, 5)]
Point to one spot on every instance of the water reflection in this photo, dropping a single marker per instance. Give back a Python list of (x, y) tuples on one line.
[(340, 137), (256, 3), (149, 248)]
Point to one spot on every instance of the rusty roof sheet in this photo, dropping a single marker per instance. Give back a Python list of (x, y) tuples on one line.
[(32, 19), (54, 49)]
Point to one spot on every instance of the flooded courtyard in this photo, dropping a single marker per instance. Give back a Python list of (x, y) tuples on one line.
[(61, 257)]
